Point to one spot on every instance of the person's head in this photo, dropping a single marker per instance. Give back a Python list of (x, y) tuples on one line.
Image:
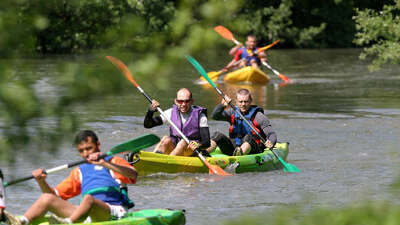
[(87, 142), (251, 41), (184, 100), (243, 99)]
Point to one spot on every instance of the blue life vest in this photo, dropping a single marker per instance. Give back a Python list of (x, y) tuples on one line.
[(248, 58), (239, 128), (98, 182)]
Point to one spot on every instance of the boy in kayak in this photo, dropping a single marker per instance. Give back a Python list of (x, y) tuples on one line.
[(242, 140), (192, 120), (248, 55), (98, 181)]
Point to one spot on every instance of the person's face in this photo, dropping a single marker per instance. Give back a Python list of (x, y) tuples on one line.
[(183, 101), (251, 42), (243, 102), (85, 148)]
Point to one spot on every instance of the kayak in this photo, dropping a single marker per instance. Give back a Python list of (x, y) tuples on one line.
[(142, 217), (247, 74), (150, 163)]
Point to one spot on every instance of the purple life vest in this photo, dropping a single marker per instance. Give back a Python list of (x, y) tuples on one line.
[(191, 128)]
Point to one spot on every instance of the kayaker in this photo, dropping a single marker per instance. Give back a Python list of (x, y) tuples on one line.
[(190, 118), (248, 55), (241, 140), (98, 181)]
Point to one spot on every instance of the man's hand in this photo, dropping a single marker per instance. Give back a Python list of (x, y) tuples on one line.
[(39, 174), (226, 100), (268, 144), (193, 145), (94, 159), (154, 104)]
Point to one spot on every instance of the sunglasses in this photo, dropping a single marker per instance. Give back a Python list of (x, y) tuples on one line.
[(183, 101)]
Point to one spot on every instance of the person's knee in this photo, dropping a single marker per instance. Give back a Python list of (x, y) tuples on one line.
[(88, 199), (47, 198), (166, 140), (217, 136)]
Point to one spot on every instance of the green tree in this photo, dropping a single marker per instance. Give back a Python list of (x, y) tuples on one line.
[(379, 32)]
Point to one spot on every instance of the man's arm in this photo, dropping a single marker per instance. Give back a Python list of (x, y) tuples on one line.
[(204, 132), (266, 126), (150, 121), (219, 113)]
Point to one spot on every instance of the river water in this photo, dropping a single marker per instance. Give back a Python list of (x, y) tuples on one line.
[(342, 122)]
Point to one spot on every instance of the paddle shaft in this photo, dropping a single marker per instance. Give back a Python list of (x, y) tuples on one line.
[(269, 67), (52, 170)]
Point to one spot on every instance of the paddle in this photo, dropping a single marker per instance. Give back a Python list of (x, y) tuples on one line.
[(227, 34), (133, 145), (125, 71), (283, 77), (286, 166), (213, 75)]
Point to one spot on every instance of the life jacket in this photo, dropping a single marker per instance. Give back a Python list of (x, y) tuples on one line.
[(191, 128), (239, 128), (245, 54), (98, 182)]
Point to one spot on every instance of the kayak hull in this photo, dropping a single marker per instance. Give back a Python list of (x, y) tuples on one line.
[(142, 217), (247, 74), (151, 163)]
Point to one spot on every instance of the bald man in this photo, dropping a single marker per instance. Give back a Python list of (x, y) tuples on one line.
[(191, 119)]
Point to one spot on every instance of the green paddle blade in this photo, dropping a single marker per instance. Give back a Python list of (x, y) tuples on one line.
[(287, 167), (135, 145), (200, 69)]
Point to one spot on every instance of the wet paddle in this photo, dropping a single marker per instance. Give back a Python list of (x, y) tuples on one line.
[(283, 77), (133, 145), (213, 169), (227, 34), (287, 167)]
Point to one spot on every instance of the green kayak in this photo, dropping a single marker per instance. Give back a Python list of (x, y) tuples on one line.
[(149, 162), (142, 217)]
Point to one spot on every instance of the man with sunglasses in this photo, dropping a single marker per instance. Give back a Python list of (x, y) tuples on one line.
[(192, 121), (242, 140)]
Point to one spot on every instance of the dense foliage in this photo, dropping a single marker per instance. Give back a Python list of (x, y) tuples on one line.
[(76, 26), (380, 31)]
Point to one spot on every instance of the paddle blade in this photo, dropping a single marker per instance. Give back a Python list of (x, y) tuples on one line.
[(200, 69), (217, 170), (135, 145), (224, 32), (284, 78), (287, 167), (123, 68), (268, 46)]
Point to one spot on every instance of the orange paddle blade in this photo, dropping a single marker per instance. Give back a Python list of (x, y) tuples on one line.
[(214, 169), (224, 32), (123, 68), (268, 46), (284, 78)]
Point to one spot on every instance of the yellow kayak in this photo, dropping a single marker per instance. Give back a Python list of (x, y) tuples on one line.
[(247, 74), (150, 163)]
